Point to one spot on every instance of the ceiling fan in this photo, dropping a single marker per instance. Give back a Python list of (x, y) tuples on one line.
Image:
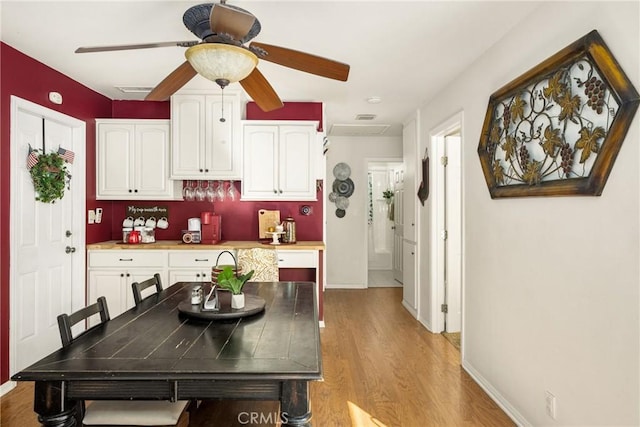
[(222, 56)]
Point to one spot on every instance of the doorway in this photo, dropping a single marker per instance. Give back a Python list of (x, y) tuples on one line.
[(47, 274), (380, 223), (446, 241)]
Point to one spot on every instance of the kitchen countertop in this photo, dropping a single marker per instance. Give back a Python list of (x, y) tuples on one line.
[(223, 245)]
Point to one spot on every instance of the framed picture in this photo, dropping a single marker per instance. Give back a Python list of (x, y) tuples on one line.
[(557, 129)]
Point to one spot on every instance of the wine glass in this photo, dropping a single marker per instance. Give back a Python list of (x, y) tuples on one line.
[(220, 193), (232, 193), (210, 193), (188, 192), (199, 192)]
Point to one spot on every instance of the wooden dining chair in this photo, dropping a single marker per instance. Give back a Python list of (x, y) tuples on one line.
[(132, 413), (138, 287)]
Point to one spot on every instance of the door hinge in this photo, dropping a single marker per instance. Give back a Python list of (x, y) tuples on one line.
[(444, 160), (445, 234), (444, 308)]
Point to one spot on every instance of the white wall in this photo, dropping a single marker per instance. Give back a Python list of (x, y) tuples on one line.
[(346, 237), (551, 285)]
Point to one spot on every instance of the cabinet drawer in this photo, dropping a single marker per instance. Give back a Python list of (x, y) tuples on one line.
[(189, 258), (119, 259), (297, 259)]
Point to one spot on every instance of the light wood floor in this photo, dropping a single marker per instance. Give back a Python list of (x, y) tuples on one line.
[(381, 368)]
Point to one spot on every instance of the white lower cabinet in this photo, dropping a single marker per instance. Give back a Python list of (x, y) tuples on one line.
[(111, 273), (193, 266)]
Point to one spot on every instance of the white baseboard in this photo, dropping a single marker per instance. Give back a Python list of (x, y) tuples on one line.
[(413, 312), (7, 387), (496, 396), (425, 323), (350, 286)]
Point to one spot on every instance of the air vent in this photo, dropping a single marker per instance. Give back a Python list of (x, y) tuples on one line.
[(365, 116), (134, 89), (358, 130)]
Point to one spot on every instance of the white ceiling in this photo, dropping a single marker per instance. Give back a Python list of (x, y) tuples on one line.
[(401, 51)]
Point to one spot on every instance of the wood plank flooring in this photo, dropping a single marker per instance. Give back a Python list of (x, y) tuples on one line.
[(381, 368)]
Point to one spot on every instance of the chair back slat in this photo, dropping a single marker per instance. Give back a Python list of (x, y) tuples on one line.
[(66, 321), (138, 287)]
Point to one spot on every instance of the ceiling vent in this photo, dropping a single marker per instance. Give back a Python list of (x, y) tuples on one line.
[(134, 89), (365, 116), (358, 130)]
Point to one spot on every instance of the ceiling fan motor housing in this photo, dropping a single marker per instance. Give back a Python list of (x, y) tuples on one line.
[(196, 19)]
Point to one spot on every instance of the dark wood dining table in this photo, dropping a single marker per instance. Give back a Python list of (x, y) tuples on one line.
[(153, 351)]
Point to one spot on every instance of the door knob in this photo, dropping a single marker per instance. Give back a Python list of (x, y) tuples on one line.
[(68, 233), (70, 249)]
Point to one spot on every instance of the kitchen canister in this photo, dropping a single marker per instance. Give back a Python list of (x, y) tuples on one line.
[(289, 235)]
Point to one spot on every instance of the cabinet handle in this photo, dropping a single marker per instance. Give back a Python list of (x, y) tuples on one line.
[(130, 191), (275, 191), (135, 191), (128, 275), (126, 259), (280, 191), (201, 170), (197, 274), (206, 170), (202, 260), (121, 274)]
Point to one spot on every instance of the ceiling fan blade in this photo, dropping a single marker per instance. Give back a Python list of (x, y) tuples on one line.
[(232, 21), (174, 81), (258, 88), (304, 61), (90, 49)]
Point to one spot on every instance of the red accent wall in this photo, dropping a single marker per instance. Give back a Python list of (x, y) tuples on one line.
[(27, 78), (239, 219)]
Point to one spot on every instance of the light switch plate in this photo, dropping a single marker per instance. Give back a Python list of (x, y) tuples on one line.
[(98, 215), (91, 216)]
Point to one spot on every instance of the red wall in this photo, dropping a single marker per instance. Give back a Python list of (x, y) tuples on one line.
[(29, 79)]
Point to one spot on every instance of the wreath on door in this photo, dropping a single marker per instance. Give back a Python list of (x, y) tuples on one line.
[(49, 175)]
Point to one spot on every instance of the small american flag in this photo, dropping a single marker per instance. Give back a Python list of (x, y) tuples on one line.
[(32, 158), (67, 155)]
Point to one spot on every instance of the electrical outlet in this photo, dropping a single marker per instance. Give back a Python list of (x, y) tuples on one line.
[(91, 216), (98, 215), (550, 400)]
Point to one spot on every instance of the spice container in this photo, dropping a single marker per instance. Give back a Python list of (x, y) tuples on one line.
[(148, 235)]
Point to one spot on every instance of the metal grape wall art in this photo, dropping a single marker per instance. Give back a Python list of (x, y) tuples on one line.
[(557, 129)]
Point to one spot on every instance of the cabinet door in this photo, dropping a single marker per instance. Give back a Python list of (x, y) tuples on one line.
[(114, 158), (260, 169), (151, 169), (222, 140), (187, 136), (409, 285), (297, 162), (108, 284)]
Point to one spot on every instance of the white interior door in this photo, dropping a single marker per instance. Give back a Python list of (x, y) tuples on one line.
[(47, 250), (453, 256)]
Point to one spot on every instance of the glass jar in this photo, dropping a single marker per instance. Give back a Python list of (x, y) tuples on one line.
[(125, 234)]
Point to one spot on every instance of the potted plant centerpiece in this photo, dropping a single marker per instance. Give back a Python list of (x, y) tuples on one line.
[(388, 196), (227, 280)]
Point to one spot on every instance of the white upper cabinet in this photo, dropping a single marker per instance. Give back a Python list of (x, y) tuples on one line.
[(279, 160), (206, 136), (132, 160)]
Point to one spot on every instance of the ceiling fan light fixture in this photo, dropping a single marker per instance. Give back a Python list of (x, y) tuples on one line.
[(224, 62)]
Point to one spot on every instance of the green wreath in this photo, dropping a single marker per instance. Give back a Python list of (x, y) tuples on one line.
[(50, 177)]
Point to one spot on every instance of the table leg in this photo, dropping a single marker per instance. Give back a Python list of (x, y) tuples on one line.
[(52, 406), (295, 409)]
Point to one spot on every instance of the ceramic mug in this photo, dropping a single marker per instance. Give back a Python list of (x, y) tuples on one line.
[(151, 222), (162, 223), (139, 222), (128, 222)]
